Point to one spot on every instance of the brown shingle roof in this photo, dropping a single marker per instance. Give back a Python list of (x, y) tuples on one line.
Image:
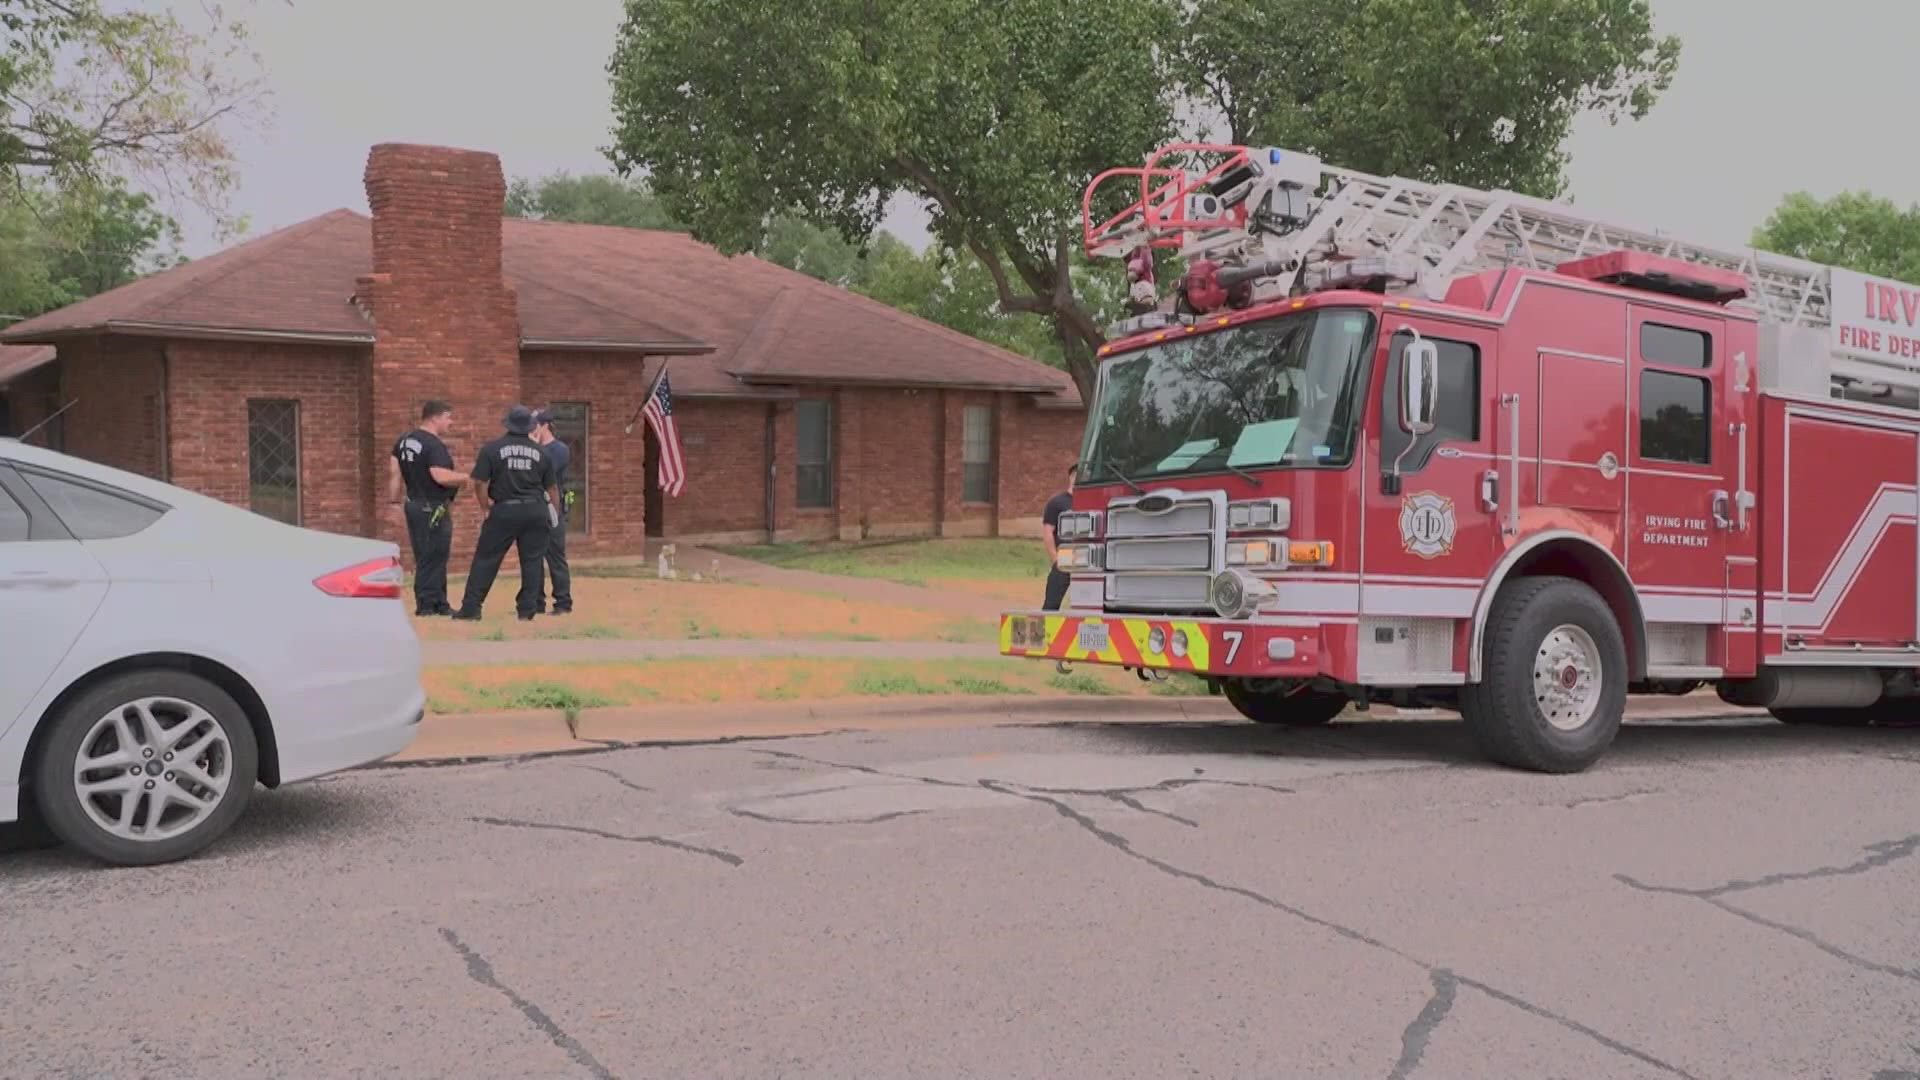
[(578, 286), (18, 360)]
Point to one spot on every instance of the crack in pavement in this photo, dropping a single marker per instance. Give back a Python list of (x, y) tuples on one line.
[(1121, 844), (1124, 846), (1880, 854), (616, 777), (1808, 936), (480, 971), (1624, 796), (727, 857), (770, 819), (1413, 1041)]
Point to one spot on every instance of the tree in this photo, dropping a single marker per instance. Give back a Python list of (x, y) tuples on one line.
[(59, 247), (588, 200), (87, 95), (995, 112), (1854, 230), (1481, 94)]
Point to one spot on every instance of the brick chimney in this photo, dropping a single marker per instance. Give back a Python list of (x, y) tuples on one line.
[(446, 324)]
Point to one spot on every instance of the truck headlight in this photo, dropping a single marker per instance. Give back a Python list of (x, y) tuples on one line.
[(1274, 514), (1080, 557)]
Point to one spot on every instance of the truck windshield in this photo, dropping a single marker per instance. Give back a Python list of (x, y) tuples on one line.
[(1279, 392)]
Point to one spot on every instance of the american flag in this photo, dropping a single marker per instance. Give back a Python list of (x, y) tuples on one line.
[(659, 414)]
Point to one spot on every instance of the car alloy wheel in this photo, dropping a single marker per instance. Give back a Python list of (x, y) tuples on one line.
[(153, 769)]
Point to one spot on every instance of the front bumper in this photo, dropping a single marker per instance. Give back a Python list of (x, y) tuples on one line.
[(1247, 648)]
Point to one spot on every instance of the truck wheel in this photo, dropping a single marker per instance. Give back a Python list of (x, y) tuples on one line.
[(145, 768), (1299, 708), (1554, 682)]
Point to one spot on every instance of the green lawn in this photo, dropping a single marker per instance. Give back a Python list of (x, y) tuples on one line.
[(913, 562)]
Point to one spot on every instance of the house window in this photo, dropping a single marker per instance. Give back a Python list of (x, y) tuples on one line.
[(1456, 415), (814, 455), (1674, 407), (273, 459), (570, 424), (976, 455)]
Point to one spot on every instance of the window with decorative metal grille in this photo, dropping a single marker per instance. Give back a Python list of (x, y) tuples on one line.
[(976, 455), (273, 459), (570, 424), (813, 456)]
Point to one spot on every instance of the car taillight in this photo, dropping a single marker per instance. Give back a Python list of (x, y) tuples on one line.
[(380, 578)]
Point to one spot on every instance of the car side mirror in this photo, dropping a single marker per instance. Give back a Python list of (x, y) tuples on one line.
[(1419, 386)]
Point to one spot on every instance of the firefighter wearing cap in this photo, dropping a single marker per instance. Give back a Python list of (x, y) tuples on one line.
[(515, 483), (557, 543)]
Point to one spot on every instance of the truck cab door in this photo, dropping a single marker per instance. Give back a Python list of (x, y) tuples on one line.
[(1682, 504), (1431, 518)]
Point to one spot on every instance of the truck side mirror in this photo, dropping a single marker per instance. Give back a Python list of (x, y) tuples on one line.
[(1419, 385)]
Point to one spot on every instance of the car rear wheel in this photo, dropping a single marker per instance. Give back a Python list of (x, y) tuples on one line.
[(1297, 707), (147, 767), (1553, 686)]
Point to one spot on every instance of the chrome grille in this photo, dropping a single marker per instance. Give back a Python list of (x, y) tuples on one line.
[(1183, 553), (1184, 592), (1184, 519)]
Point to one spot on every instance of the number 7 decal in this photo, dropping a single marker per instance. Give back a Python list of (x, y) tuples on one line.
[(1234, 638)]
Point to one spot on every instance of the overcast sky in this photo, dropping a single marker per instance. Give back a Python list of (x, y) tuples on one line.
[(1813, 96)]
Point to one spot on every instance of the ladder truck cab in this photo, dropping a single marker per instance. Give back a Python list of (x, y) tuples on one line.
[(1416, 443)]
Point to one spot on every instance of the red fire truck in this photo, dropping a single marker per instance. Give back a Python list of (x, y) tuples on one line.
[(1413, 443)]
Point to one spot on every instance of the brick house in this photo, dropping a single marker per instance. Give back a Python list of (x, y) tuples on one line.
[(276, 374)]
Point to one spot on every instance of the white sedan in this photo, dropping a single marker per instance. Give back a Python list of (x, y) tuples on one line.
[(161, 652)]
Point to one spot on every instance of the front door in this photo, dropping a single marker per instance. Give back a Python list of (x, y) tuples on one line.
[(1682, 500), (1429, 536)]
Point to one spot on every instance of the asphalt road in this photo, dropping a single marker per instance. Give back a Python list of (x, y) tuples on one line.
[(1099, 901)]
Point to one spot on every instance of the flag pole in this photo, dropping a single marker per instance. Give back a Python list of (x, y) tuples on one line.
[(651, 387)]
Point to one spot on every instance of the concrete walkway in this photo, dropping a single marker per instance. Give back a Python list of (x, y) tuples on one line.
[(607, 650)]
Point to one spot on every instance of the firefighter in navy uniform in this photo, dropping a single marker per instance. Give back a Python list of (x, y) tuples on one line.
[(423, 482), (557, 570), (515, 484)]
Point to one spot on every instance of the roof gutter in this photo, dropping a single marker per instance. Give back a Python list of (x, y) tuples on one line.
[(177, 330)]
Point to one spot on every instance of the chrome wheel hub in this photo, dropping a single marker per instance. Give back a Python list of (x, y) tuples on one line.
[(1567, 678), (153, 769)]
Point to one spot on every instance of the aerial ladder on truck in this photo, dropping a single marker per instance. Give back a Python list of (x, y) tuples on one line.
[(1262, 222)]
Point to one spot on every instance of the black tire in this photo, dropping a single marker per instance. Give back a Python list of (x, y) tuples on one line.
[(53, 774), (1503, 711), (1300, 708)]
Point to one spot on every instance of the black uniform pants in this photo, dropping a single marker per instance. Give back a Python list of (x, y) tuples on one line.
[(1057, 582), (519, 525), (430, 532), (557, 566)]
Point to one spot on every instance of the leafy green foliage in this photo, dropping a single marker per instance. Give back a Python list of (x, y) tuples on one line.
[(1854, 230), (1482, 94), (588, 200), (58, 247), (88, 94), (994, 113)]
